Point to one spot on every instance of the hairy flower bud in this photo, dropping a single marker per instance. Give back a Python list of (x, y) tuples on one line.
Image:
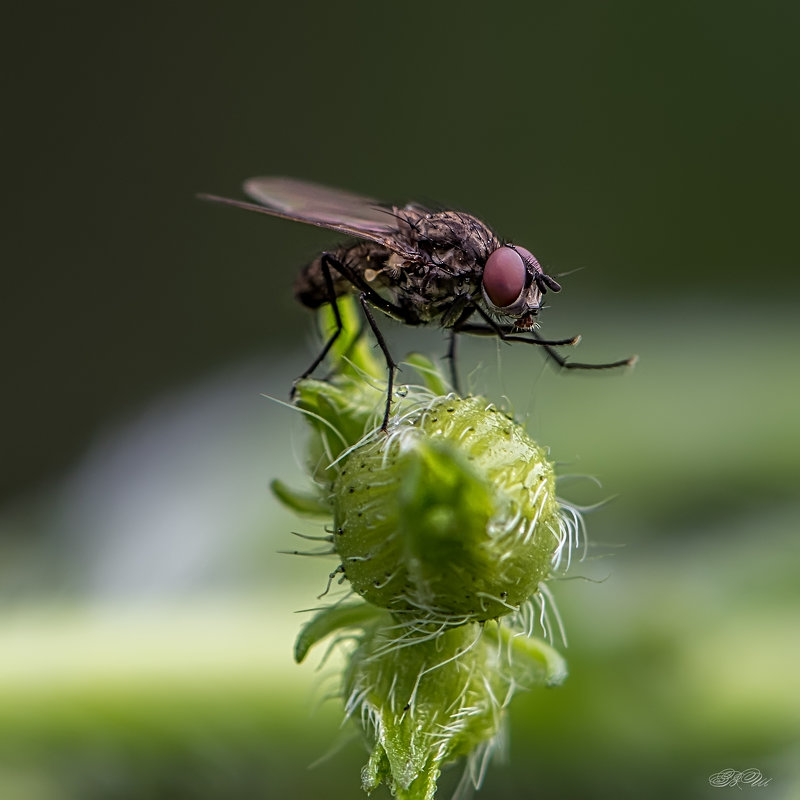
[(447, 520), (425, 700), (453, 516)]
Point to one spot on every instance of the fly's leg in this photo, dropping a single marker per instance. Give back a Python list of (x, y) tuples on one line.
[(451, 358), (367, 297), (372, 297), (564, 364), (390, 364), (496, 330), (329, 287), (329, 262), (493, 329)]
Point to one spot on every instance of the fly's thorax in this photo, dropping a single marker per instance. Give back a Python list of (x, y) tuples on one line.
[(453, 239), (445, 275)]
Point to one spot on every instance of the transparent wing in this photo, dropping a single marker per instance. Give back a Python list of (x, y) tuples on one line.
[(312, 202), (302, 201)]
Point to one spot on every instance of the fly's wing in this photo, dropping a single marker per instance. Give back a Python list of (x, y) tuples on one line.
[(302, 201), (309, 201)]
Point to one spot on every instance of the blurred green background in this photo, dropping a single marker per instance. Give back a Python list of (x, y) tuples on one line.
[(648, 150)]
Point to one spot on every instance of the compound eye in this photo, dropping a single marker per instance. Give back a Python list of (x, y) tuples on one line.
[(529, 257), (504, 277)]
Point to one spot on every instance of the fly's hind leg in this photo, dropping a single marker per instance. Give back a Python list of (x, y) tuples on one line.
[(367, 297), (326, 262), (391, 366)]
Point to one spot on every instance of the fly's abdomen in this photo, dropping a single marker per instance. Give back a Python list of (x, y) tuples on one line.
[(365, 259)]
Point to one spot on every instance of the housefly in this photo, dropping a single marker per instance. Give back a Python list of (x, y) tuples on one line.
[(415, 264)]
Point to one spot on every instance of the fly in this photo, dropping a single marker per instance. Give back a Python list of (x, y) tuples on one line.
[(414, 264)]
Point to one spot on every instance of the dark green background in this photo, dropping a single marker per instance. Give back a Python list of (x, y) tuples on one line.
[(650, 150), (655, 145)]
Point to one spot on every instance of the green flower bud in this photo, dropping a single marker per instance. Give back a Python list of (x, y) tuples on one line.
[(423, 701), (451, 517)]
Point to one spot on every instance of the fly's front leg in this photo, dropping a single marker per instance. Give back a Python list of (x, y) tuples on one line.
[(491, 328), (564, 364), (547, 345), (496, 330)]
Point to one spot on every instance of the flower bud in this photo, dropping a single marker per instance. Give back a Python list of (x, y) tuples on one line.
[(451, 517), (423, 701)]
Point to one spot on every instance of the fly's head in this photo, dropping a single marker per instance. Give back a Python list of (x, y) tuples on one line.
[(514, 284)]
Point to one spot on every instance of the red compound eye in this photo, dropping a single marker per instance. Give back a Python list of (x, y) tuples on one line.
[(528, 256), (504, 276)]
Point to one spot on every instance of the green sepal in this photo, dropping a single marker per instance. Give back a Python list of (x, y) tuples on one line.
[(329, 620), (305, 503), (430, 374), (351, 352), (535, 662), (444, 510), (340, 415)]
